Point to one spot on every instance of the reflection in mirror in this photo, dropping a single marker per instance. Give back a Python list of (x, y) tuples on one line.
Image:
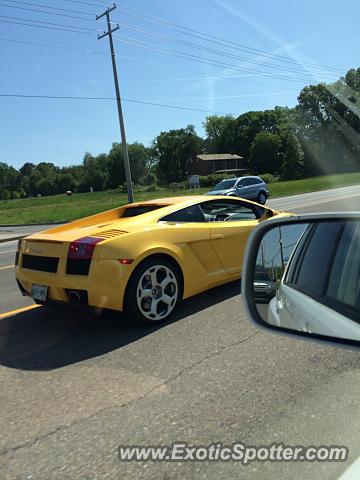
[(307, 278)]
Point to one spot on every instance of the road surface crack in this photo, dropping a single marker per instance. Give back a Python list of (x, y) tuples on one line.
[(59, 428)]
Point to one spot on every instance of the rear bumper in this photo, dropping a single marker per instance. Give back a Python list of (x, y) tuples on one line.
[(103, 287)]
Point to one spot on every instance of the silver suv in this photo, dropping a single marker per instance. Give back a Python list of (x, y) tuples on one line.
[(251, 188)]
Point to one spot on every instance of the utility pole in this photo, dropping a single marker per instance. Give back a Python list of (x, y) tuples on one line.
[(118, 99), (262, 255), (281, 249)]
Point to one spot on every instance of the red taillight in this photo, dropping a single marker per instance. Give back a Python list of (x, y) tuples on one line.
[(83, 248)]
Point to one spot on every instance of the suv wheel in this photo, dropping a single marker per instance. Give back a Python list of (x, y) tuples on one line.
[(262, 198)]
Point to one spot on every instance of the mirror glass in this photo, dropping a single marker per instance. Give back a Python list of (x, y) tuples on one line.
[(307, 278)]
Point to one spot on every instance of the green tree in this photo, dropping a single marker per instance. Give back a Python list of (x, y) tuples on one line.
[(172, 150), (10, 179), (137, 158), (95, 172), (27, 169), (266, 153), (215, 127), (45, 186), (65, 182), (239, 135), (293, 157), (328, 125)]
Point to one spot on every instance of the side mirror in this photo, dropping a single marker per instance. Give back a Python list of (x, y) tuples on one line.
[(301, 276)]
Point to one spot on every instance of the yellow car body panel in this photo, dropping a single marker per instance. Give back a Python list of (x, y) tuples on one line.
[(208, 254)]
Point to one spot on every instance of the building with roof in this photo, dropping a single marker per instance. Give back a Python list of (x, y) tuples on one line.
[(214, 163)]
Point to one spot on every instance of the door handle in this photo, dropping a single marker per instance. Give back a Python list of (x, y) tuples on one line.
[(217, 236)]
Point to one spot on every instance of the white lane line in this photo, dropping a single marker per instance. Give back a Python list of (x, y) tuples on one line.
[(8, 251), (318, 202)]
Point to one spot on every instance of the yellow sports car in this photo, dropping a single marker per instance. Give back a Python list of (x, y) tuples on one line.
[(141, 258)]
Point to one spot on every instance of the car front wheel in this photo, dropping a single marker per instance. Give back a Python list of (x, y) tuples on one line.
[(153, 291)]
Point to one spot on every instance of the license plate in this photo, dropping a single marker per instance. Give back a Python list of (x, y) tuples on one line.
[(39, 292)]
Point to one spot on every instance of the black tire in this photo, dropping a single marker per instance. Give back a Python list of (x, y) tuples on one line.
[(138, 307), (262, 197)]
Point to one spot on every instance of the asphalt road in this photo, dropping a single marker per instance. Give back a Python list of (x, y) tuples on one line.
[(74, 385)]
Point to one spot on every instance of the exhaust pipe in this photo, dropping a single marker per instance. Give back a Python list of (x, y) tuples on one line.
[(74, 296)]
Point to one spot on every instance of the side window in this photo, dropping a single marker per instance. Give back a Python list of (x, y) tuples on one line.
[(344, 280), (251, 181), (315, 255), (240, 183), (186, 215), (230, 211)]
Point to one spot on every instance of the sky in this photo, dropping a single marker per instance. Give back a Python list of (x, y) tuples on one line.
[(259, 55)]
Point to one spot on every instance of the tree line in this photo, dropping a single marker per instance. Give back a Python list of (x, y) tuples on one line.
[(320, 135)]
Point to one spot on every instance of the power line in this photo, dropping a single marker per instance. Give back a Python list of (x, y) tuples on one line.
[(59, 47), (48, 7), (291, 245), (49, 23), (43, 26), (204, 60), (207, 49), (147, 32), (130, 100), (82, 3), (47, 13), (162, 65), (147, 45), (271, 259), (166, 37), (215, 39), (162, 21)]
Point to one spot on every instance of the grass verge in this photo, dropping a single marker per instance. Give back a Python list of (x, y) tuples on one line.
[(60, 208)]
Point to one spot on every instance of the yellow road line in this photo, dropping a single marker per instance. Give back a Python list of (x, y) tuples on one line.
[(19, 310), (7, 266)]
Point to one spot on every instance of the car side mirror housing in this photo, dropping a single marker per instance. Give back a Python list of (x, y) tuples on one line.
[(301, 276)]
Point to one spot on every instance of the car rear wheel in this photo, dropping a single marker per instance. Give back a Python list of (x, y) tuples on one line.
[(262, 198), (153, 292)]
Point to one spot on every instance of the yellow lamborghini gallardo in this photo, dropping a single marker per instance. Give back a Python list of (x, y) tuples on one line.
[(141, 258)]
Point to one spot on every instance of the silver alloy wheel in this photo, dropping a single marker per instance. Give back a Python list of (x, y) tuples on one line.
[(157, 292), (262, 198)]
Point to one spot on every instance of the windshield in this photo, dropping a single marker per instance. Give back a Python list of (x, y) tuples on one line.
[(224, 185), (262, 276)]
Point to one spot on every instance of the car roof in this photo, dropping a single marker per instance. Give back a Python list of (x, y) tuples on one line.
[(240, 178)]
